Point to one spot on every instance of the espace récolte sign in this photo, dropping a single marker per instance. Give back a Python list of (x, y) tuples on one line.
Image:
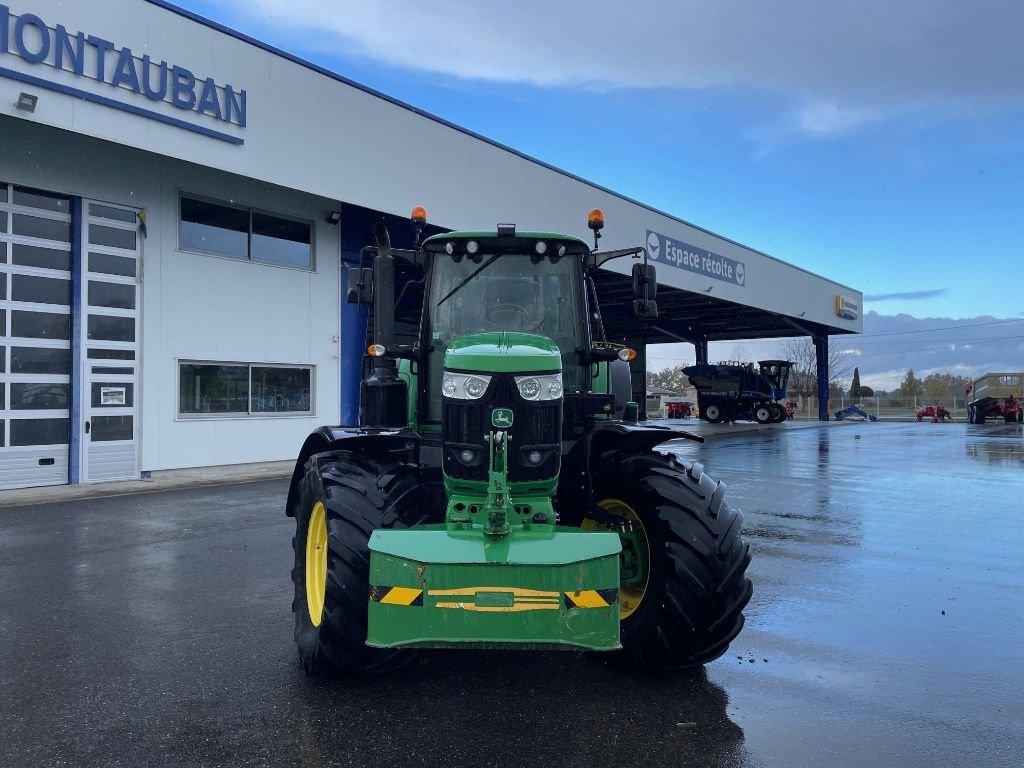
[(133, 79)]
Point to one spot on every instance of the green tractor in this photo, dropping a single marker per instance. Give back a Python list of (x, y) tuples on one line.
[(499, 491)]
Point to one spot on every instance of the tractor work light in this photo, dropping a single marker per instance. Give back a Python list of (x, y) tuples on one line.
[(534, 457), (540, 247), (449, 247), (376, 350), (419, 216), (541, 387), (627, 355), (463, 386), (472, 247)]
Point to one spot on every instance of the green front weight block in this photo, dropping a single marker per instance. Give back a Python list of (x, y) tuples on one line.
[(436, 588)]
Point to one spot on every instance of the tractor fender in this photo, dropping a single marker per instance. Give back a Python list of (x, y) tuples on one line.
[(353, 439), (602, 443)]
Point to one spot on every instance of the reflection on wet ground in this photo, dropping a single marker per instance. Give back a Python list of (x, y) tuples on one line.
[(884, 629), (889, 593)]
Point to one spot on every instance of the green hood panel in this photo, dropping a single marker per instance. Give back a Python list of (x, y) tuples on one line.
[(503, 352)]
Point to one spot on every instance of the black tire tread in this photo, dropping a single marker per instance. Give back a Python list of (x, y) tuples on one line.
[(690, 618), (361, 493)]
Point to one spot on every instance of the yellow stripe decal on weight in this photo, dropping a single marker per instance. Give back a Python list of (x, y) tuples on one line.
[(588, 598), (553, 606), (401, 596), (470, 591)]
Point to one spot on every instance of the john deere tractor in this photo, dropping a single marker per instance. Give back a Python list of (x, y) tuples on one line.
[(499, 490)]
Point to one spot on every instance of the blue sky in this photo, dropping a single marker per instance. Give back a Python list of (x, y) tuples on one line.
[(878, 144)]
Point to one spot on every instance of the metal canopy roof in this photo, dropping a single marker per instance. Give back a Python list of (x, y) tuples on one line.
[(687, 316)]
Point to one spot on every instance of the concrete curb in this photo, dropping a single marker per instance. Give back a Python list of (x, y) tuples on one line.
[(164, 480)]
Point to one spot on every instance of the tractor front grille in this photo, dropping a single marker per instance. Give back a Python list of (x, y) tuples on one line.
[(536, 426)]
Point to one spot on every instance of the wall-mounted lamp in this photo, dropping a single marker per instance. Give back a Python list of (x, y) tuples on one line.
[(334, 217), (26, 102)]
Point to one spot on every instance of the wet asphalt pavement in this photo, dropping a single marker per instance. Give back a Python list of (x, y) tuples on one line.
[(886, 628)]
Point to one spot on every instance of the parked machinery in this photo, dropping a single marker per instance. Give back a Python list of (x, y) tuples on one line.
[(495, 493), (736, 391), (855, 413), (934, 414), (995, 395)]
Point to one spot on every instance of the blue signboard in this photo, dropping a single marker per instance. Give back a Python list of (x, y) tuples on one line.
[(32, 40), (675, 253)]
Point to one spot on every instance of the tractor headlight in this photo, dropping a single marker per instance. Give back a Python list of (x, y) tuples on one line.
[(546, 387), (463, 386)]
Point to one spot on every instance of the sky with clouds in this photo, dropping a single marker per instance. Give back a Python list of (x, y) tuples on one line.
[(880, 144)]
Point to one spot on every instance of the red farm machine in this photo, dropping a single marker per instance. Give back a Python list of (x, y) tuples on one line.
[(738, 391), (994, 396)]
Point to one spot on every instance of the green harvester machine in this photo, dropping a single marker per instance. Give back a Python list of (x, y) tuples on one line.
[(499, 490)]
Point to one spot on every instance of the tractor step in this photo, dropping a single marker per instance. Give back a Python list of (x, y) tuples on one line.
[(436, 588)]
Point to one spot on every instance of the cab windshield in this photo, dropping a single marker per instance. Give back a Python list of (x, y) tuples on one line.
[(510, 292)]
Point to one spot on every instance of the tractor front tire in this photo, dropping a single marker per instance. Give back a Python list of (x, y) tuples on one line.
[(691, 606), (343, 498), (762, 413)]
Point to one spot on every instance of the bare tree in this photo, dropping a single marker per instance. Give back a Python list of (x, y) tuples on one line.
[(803, 380), (672, 379)]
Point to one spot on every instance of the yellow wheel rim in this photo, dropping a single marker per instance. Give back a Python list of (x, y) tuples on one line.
[(629, 597), (316, 563)]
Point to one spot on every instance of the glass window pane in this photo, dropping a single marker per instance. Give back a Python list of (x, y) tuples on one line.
[(3, 359), (2, 431), (40, 325), (34, 256), (215, 228), (106, 428), (48, 229), (214, 388), (3, 397), (36, 396), (116, 295), (3, 322), (112, 237), (111, 328), (40, 360), (112, 394), (109, 212), (281, 390), (109, 264), (281, 241), (39, 431), (3, 253), (3, 285), (41, 290), (3, 192), (37, 198), (3, 221), (110, 354)]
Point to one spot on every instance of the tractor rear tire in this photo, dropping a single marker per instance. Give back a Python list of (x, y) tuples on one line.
[(762, 413), (692, 604), (346, 496), (713, 413), (778, 413)]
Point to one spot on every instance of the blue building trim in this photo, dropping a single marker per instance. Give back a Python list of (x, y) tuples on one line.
[(77, 278), (114, 104), (821, 360)]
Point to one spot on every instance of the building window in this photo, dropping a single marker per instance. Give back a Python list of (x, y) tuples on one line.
[(244, 389), (225, 229)]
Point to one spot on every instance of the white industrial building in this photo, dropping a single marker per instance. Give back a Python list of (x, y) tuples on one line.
[(173, 240)]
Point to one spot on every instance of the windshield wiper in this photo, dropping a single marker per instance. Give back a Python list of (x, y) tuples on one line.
[(472, 274)]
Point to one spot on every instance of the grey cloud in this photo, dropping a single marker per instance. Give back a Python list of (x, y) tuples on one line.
[(910, 295), (837, 65)]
